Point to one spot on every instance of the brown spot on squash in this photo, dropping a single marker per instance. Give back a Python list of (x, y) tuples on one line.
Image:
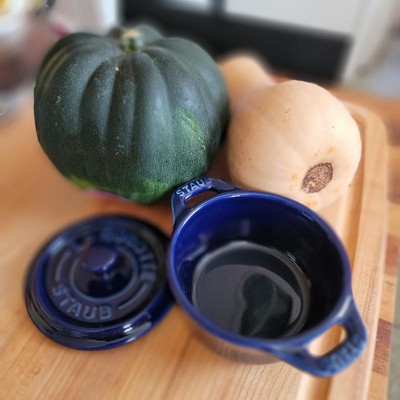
[(294, 177), (310, 203), (331, 149)]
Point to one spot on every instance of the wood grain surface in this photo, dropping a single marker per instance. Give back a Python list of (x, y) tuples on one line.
[(169, 362)]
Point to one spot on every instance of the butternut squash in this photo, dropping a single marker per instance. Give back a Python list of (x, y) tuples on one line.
[(295, 139)]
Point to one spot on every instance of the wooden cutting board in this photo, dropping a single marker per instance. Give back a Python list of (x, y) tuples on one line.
[(169, 362)]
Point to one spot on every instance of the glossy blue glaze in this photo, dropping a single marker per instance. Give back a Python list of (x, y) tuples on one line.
[(267, 219), (99, 283)]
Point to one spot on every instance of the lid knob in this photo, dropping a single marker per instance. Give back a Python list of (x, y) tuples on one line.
[(102, 271), (100, 260)]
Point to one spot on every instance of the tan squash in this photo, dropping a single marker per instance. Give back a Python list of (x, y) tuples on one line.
[(243, 74), (295, 139)]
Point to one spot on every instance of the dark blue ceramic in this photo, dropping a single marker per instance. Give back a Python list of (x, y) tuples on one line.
[(99, 283), (267, 219)]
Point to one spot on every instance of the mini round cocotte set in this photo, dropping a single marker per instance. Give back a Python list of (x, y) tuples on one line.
[(258, 272)]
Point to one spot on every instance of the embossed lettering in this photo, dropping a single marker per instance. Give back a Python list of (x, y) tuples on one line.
[(130, 240), (59, 290), (191, 186), (105, 312), (146, 257), (149, 265), (79, 309), (67, 300), (140, 247), (75, 309), (89, 312)]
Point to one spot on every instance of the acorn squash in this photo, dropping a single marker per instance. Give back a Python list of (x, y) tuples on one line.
[(132, 113)]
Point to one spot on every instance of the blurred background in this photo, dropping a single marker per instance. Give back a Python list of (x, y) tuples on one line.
[(326, 40), (354, 43)]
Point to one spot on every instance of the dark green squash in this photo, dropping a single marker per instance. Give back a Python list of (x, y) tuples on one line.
[(132, 113)]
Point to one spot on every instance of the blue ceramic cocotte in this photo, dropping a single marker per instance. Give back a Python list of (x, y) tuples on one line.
[(266, 219), (107, 281)]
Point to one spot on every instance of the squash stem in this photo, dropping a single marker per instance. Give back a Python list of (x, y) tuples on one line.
[(131, 41)]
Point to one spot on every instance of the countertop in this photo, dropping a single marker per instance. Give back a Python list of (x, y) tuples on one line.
[(17, 210)]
